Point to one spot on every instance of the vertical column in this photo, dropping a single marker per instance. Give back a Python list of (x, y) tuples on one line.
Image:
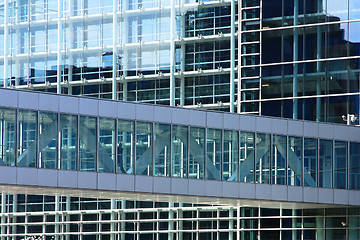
[(115, 54), (57, 217), (71, 32), (60, 43), (124, 29), (67, 218), (231, 223), (113, 217), (172, 53), (232, 57), (239, 56), (6, 40), (182, 80), (295, 58), (318, 65), (171, 223), (3, 218)]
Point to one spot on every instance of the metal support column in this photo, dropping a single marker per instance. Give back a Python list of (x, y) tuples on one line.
[(115, 54), (182, 62), (172, 53), (3, 218), (295, 58), (318, 65), (232, 57), (59, 38), (239, 56), (6, 40)]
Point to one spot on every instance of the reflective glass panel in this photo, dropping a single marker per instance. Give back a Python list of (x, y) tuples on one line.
[(125, 147), (325, 163), (48, 124), (161, 149), (341, 163), (295, 161), (279, 160), (197, 153), (247, 157), (8, 136), (27, 125), (179, 151), (88, 142), (68, 141), (354, 166), (213, 154), (106, 162), (144, 148), (231, 155), (263, 158), (310, 162)]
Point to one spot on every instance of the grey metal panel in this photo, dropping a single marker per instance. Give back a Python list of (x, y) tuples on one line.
[(106, 181), (47, 177), (144, 184), (214, 120), (341, 132), (126, 110), (29, 100), (108, 109), (295, 128), (69, 104), (67, 179), (87, 180), (180, 116), (279, 126), (162, 185), (311, 130), (354, 134), (8, 175), (8, 98), (247, 123), (263, 191), (125, 182), (263, 124), (48, 102), (28, 176), (197, 118), (89, 106), (326, 131), (230, 189), (162, 114), (278, 192), (247, 190), (295, 194), (197, 187), (213, 188), (231, 121), (311, 194), (326, 195), (144, 112), (179, 186), (354, 198), (341, 196)]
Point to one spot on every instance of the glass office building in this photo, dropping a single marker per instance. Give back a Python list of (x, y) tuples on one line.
[(285, 58)]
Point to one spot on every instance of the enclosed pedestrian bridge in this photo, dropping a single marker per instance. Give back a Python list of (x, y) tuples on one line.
[(66, 145)]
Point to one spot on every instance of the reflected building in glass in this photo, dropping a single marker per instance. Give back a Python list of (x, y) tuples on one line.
[(295, 59)]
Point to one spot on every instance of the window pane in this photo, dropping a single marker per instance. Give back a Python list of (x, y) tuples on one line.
[(125, 147), (231, 156), (310, 162), (213, 154), (144, 148), (340, 168), (8, 136), (354, 167), (161, 149), (247, 157), (47, 140), (179, 151), (106, 145), (325, 164), (295, 161), (68, 141), (87, 135), (263, 158), (197, 153), (27, 121), (279, 160)]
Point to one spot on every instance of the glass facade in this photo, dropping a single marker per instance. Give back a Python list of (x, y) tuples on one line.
[(108, 145)]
